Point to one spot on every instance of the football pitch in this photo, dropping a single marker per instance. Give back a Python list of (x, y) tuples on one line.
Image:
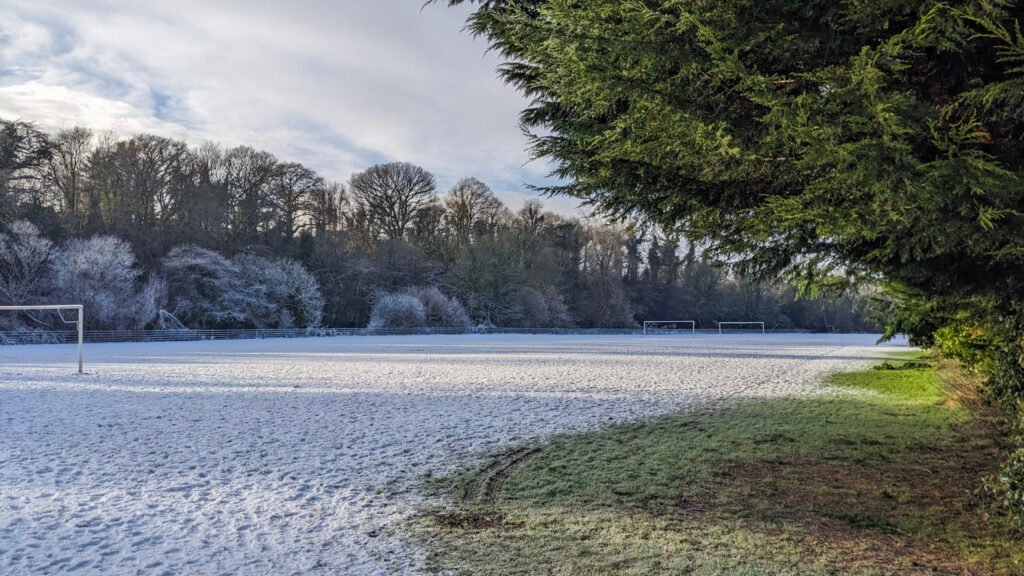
[(307, 456)]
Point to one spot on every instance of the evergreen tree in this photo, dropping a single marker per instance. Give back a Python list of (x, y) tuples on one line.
[(877, 139)]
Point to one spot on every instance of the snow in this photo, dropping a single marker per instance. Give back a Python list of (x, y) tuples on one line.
[(306, 456)]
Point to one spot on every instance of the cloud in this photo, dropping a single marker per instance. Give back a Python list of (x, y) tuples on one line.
[(335, 85), (61, 107)]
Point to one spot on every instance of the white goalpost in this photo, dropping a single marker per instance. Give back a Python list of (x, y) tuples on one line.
[(59, 308), (653, 323), (760, 324)]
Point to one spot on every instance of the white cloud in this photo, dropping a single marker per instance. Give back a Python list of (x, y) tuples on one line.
[(335, 85), (60, 107)]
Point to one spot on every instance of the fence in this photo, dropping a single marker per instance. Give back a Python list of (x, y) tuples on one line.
[(100, 336)]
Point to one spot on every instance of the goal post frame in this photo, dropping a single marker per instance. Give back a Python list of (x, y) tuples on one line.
[(80, 322), (720, 324), (692, 323)]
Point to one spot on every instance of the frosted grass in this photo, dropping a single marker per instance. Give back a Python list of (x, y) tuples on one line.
[(306, 456)]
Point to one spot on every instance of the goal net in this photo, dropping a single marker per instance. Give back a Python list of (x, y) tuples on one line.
[(662, 326), (68, 314), (724, 327)]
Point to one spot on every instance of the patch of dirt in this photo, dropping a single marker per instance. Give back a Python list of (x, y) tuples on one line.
[(867, 550), (858, 510), (473, 520), (481, 493), (486, 486)]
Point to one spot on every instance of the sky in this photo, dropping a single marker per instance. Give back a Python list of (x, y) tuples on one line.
[(336, 85)]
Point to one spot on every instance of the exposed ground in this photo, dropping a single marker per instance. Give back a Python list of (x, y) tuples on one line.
[(880, 477), (308, 456)]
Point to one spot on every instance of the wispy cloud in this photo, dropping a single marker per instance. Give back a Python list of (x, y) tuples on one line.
[(337, 86)]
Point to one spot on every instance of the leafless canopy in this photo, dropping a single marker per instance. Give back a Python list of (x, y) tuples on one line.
[(469, 204), (392, 194)]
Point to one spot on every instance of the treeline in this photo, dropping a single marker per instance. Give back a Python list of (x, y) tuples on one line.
[(149, 232)]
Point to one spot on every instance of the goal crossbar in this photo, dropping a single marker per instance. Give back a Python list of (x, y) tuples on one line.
[(692, 323), (59, 308), (720, 324)]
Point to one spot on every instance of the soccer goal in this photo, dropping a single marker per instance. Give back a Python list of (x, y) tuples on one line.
[(675, 324), (60, 309), (740, 325)]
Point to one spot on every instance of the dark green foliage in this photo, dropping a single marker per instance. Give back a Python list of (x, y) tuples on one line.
[(879, 139), (1008, 485), (22, 149)]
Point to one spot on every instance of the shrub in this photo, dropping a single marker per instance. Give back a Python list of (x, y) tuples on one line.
[(967, 342), (535, 308), (441, 311), (23, 258), (994, 350), (280, 292), (399, 311), (1008, 485), (209, 290), (205, 289), (101, 274), (545, 309)]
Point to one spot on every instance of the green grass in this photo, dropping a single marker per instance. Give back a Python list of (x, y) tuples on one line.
[(878, 478)]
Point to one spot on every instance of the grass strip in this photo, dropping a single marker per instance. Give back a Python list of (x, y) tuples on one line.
[(878, 476)]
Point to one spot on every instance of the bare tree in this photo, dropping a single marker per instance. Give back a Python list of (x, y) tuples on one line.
[(67, 167), (605, 303), (471, 206), (207, 215), (291, 190), (140, 186), (249, 174), (392, 194), (325, 206), (360, 226), (159, 174), (531, 217)]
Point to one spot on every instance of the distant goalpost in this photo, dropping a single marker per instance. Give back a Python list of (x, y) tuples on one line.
[(59, 308), (759, 324), (652, 323)]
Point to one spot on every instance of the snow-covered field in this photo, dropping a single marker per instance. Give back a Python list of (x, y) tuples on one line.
[(305, 456)]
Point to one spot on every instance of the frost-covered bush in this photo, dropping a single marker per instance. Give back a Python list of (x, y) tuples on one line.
[(101, 274), (282, 293), (24, 255), (559, 315), (150, 299), (205, 289), (397, 311), (209, 290), (545, 309), (416, 307), (441, 311)]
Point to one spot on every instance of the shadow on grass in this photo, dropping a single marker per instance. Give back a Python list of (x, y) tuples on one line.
[(879, 478)]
